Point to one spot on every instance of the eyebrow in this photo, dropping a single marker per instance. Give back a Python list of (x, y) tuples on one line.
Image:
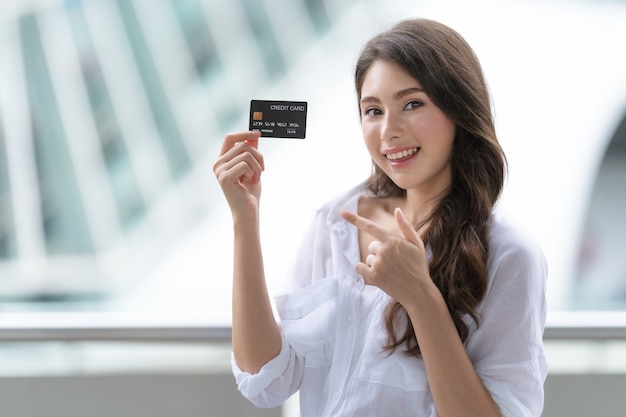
[(396, 96)]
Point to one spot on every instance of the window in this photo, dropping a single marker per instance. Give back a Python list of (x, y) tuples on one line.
[(64, 224), (7, 228), (164, 120), (114, 151)]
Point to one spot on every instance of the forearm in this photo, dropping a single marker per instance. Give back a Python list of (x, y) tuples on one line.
[(256, 336), (456, 388)]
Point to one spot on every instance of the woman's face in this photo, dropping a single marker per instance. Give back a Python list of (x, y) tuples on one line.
[(406, 134)]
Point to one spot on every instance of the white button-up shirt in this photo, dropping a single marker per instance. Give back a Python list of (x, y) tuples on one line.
[(333, 331)]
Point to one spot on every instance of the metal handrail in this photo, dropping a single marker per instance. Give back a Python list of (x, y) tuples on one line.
[(195, 327), (587, 325), (130, 327)]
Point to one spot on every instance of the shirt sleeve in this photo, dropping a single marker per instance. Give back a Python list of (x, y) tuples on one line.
[(277, 380), (507, 348)]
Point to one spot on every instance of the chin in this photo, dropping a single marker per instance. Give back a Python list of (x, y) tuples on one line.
[(405, 184)]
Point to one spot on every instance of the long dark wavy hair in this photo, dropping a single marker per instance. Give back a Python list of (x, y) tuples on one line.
[(456, 231)]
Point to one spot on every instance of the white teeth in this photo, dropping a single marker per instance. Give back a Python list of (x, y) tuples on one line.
[(402, 154)]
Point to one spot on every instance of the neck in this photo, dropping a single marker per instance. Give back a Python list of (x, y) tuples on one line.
[(418, 205)]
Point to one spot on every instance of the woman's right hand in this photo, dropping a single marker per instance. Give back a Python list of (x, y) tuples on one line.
[(238, 170)]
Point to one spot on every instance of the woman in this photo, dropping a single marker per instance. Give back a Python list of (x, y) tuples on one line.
[(410, 296)]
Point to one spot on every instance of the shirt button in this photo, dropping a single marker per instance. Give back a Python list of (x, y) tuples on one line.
[(350, 318), (336, 394)]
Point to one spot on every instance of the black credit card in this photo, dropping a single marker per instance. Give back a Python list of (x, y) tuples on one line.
[(279, 119)]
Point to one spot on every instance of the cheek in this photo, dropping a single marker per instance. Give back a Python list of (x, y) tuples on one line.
[(439, 131), (446, 126)]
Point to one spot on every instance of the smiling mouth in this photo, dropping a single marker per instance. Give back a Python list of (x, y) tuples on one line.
[(397, 156)]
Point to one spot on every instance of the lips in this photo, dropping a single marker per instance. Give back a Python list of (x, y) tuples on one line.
[(401, 155)]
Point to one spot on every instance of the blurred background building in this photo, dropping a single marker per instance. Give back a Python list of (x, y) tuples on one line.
[(112, 113)]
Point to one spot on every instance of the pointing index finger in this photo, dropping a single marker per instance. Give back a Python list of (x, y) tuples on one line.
[(365, 225), (231, 139)]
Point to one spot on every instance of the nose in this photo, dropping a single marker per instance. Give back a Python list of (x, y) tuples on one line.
[(391, 127)]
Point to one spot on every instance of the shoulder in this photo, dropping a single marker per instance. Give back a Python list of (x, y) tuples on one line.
[(515, 256), (506, 238), (327, 234), (347, 200), (327, 220)]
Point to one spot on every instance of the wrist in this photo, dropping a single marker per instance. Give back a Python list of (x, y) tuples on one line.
[(425, 301), (246, 222), (245, 215)]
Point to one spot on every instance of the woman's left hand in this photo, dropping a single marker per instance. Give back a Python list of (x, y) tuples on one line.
[(396, 264)]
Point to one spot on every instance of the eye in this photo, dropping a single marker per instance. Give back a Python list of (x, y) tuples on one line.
[(372, 111), (411, 105)]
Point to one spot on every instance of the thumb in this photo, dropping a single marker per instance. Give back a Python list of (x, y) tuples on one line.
[(254, 142), (408, 231)]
